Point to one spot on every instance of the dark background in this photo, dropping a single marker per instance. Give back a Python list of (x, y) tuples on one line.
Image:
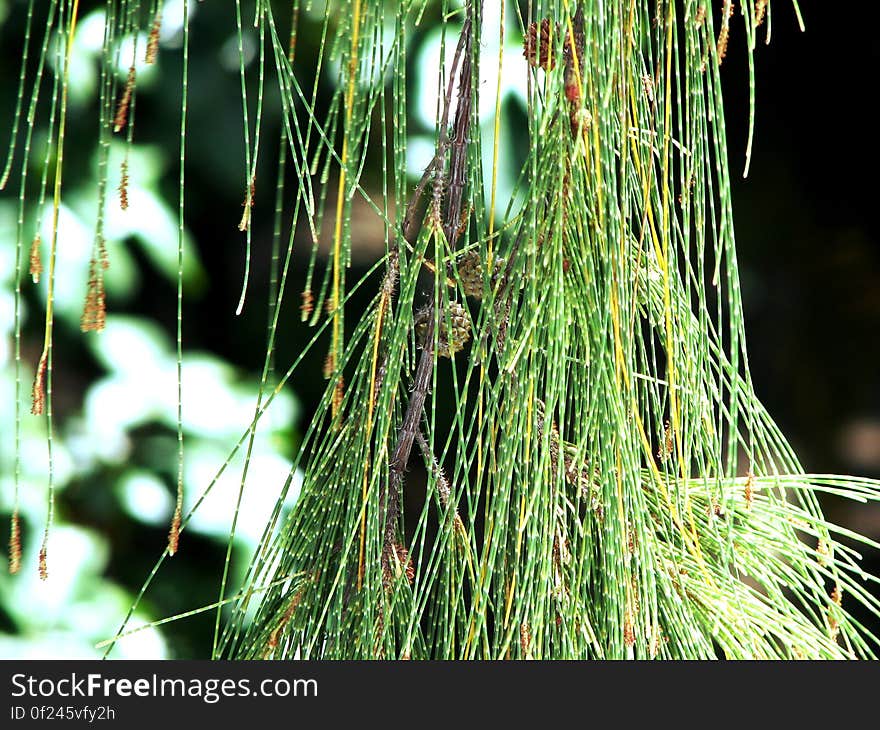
[(806, 228), (808, 237)]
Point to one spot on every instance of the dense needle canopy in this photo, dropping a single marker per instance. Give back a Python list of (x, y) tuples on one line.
[(607, 484)]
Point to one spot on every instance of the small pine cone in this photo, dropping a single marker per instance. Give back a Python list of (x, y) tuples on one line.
[(471, 269), (454, 339), (451, 339)]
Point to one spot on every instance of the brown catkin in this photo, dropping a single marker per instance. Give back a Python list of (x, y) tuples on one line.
[(750, 490), (629, 634), (38, 392), (308, 304), (665, 450), (272, 643), (525, 639), (94, 315), (15, 544), (36, 261), (103, 257), (822, 551), (723, 38), (338, 394), (174, 532), (121, 118), (44, 569), (153, 40), (248, 205), (123, 185), (760, 11), (724, 34), (833, 627)]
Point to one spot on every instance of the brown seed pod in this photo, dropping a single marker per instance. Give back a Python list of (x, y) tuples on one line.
[(573, 50), (538, 45), (398, 562)]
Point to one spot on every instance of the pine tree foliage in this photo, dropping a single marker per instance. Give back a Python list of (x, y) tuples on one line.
[(607, 484)]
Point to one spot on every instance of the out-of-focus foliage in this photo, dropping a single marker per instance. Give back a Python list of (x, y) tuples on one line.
[(116, 399)]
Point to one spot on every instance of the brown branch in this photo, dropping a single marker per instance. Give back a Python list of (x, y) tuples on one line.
[(458, 158), (451, 221)]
